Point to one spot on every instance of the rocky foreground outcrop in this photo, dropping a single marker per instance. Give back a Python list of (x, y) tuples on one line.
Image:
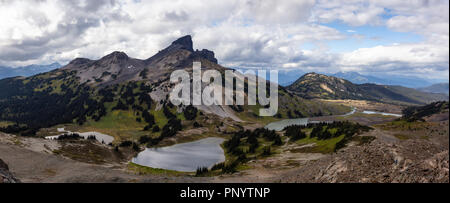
[(413, 161), (5, 175)]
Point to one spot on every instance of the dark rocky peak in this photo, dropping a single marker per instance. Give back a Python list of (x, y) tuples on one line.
[(206, 54), (184, 43), (80, 61), (116, 55), (114, 58)]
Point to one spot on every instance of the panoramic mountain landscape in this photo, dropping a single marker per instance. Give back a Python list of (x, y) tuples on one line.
[(357, 98), (125, 100)]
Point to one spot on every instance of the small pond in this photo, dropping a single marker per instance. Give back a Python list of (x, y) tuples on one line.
[(186, 157), (102, 138), (280, 125)]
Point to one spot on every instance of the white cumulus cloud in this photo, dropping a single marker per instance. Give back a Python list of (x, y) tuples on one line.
[(242, 33)]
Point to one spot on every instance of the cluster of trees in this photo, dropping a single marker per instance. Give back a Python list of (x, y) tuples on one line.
[(249, 140), (330, 130), (128, 93), (144, 98), (225, 168), (232, 145), (145, 88), (149, 118), (120, 106), (73, 136), (245, 140), (49, 99), (336, 129), (323, 131), (197, 125), (169, 130), (295, 132), (417, 113), (290, 115), (167, 113), (201, 171), (217, 166), (40, 102), (149, 140), (14, 129), (190, 112), (143, 73), (237, 108), (267, 151), (91, 137), (128, 143)]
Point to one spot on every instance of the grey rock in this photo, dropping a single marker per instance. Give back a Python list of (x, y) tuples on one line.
[(5, 175)]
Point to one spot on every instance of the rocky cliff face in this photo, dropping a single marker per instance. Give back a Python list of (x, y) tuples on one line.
[(5, 175), (206, 54), (381, 161)]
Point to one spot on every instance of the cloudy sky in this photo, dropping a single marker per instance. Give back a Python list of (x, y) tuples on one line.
[(405, 37)]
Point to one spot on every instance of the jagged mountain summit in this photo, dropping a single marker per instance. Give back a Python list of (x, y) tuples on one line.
[(118, 67)]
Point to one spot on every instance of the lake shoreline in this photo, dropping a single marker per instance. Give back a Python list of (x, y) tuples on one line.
[(201, 153)]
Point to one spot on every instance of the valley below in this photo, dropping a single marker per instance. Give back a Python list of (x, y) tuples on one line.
[(393, 151)]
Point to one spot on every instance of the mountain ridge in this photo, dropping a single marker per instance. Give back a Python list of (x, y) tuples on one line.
[(358, 78), (117, 66), (436, 88), (313, 85)]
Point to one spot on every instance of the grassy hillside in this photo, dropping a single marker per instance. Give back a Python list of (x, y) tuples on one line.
[(125, 110), (419, 113)]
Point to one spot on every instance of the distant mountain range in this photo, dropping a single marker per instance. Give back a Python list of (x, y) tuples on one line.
[(313, 85), (286, 78), (357, 78), (436, 88), (6, 72)]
